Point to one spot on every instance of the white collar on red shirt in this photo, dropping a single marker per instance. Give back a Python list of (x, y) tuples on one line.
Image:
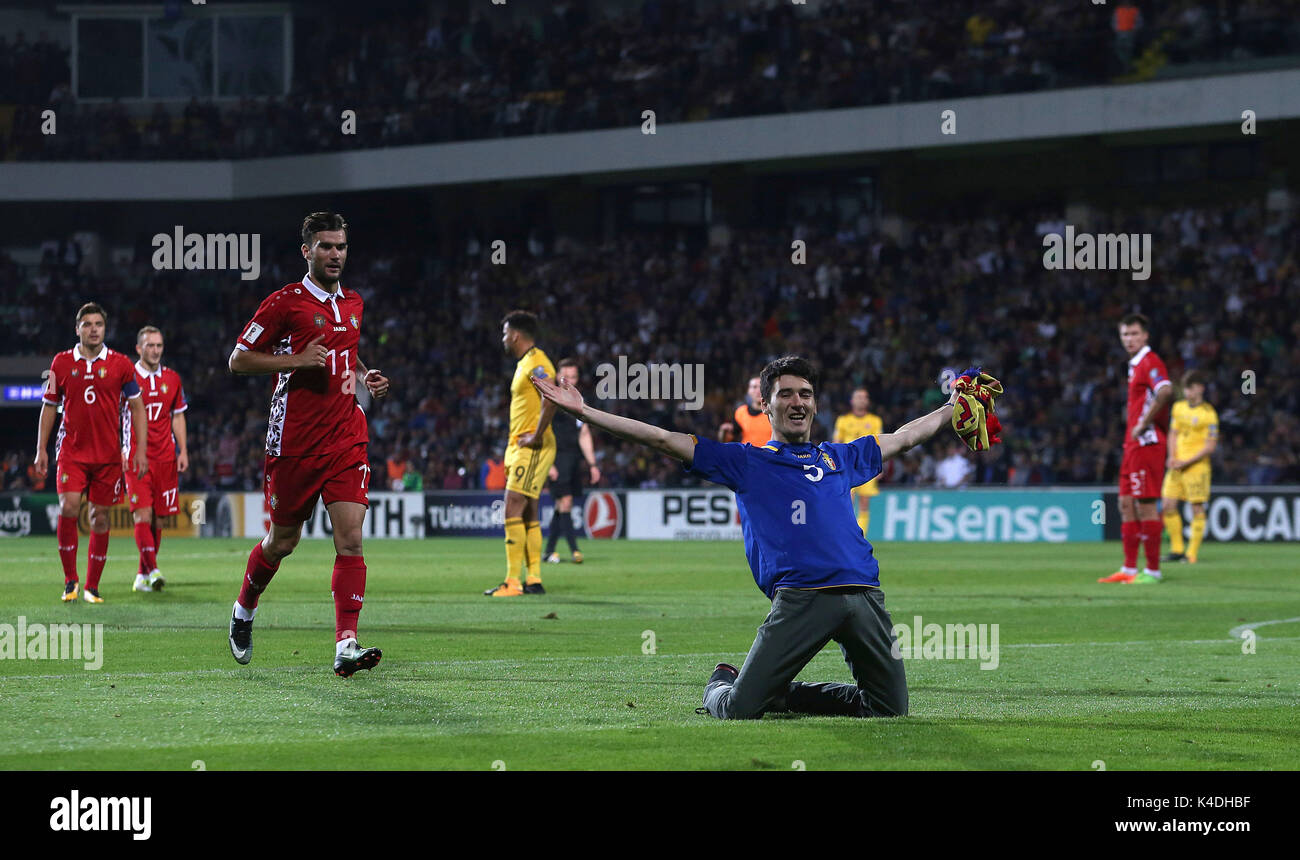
[(152, 377), (324, 296), (1141, 354), (90, 362)]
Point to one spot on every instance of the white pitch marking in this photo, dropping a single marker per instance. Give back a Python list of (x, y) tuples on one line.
[(1236, 632)]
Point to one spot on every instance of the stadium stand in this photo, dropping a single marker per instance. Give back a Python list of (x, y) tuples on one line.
[(880, 309), (415, 77)]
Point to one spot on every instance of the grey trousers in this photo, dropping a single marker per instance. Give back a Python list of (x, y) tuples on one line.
[(800, 624)]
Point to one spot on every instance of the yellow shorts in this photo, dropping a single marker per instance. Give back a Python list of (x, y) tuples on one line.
[(527, 469), (870, 488), (1191, 484)]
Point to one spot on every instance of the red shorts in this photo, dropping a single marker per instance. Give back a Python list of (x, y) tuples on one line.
[(293, 484), (1142, 471), (103, 479), (157, 489)]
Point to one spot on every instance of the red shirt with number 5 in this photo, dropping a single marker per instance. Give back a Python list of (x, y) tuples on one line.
[(313, 410)]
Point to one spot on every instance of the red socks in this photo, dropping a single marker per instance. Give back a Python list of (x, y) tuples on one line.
[(66, 533), (349, 586), (98, 555), (1130, 533), (156, 531), (257, 575), (148, 551), (1151, 533)]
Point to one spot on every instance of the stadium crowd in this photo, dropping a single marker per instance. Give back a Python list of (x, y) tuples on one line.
[(890, 312), (424, 78)]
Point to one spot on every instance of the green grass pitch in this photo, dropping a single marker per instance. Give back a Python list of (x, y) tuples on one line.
[(1136, 677)]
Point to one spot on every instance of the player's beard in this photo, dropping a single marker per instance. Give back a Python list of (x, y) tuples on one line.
[(323, 278)]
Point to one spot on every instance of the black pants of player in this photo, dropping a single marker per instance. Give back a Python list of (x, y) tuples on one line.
[(800, 624), (569, 483)]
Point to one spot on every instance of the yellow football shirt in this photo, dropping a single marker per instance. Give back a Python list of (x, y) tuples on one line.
[(849, 426), (1193, 426), (525, 402)]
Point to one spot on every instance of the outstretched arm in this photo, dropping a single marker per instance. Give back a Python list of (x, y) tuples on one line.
[(915, 432), (680, 446)]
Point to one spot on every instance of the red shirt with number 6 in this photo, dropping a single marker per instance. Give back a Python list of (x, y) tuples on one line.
[(92, 393), (313, 410)]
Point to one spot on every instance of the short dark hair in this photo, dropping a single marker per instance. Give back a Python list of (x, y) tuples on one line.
[(787, 365), (1194, 377), (524, 322), (91, 308), (1137, 319), (317, 222), (567, 362)]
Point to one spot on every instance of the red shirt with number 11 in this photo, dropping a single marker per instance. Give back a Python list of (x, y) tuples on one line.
[(313, 410)]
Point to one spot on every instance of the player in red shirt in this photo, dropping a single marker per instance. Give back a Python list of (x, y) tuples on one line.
[(89, 382), (1143, 468), (155, 494), (307, 334)]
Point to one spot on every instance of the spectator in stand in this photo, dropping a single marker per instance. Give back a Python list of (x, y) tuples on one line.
[(492, 475), (954, 470), (444, 77), (1221, 297)]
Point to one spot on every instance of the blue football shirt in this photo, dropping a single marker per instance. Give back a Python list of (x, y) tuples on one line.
[(796, 510)]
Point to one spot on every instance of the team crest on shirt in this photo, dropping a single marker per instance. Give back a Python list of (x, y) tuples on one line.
[(320, 321), (353, 319), (64, 477), (274, 501), (826, 458), (103, 371), (134, 498), (164, 388), (76, 372)]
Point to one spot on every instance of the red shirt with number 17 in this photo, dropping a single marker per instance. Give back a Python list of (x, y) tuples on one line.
[(313, 410), (163, 399), (92, 393)]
